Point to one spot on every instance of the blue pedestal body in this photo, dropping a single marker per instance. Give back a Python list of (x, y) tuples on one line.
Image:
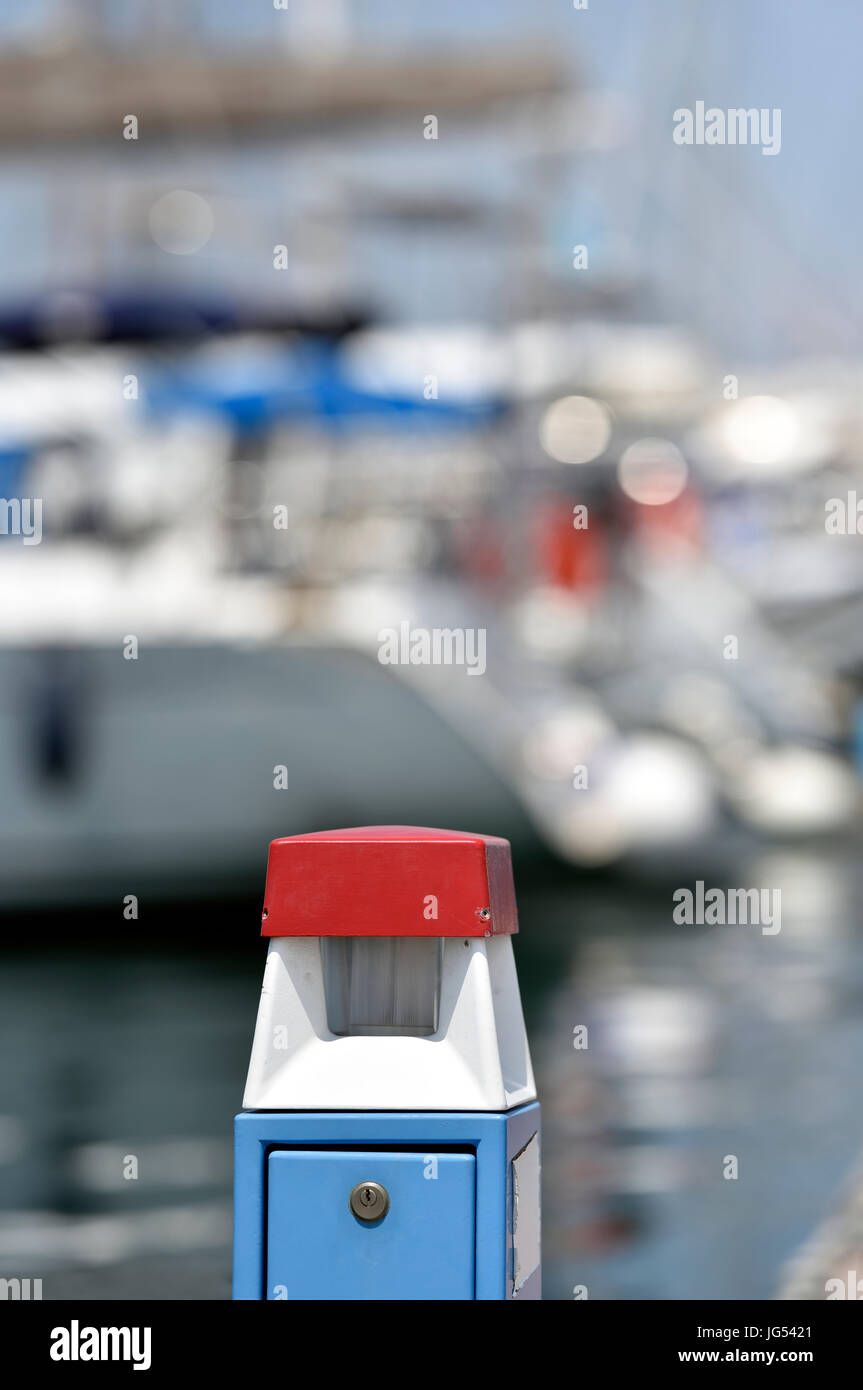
[(448, 1233)]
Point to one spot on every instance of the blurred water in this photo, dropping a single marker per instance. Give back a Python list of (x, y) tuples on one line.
[(704, 1043)]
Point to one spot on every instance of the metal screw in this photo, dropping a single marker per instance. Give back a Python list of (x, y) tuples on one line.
[(370, 1201)]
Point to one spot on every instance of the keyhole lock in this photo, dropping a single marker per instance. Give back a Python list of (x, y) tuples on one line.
[(370, 1201)]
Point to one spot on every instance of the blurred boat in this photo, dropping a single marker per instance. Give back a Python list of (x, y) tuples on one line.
[(258, 646), (155, 774)]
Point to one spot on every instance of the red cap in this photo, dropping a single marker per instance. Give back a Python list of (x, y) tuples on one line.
[(389, 880)]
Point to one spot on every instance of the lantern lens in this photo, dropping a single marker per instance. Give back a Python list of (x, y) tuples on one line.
[(385, 986)]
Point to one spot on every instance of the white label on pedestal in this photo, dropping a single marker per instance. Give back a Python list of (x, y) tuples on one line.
[(525, 1219)]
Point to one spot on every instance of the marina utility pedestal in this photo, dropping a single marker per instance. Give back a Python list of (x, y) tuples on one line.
[(389, 1144)]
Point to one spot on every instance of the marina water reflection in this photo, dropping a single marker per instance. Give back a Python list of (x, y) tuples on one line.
[(704, 1044)]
